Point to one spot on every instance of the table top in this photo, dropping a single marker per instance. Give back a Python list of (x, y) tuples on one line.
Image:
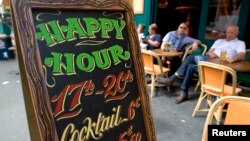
[(239, 66), (166, 53)]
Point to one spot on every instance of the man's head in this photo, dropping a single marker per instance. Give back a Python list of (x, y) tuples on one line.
[(232, 32), (140, 28), (152, 29), (182, 29)]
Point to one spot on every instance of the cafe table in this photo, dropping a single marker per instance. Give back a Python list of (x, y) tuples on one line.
[(238, 66), (160, 52)]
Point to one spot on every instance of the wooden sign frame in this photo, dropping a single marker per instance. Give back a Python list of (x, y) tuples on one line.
[(70, 91)]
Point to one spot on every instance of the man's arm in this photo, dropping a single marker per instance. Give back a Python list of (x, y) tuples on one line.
[(240, 56), (211, 53), (192, 41), (241, 53), (165, 40), (154, 43), (163, 45)]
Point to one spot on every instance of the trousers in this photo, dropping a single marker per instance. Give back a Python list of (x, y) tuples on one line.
[(187, 70)]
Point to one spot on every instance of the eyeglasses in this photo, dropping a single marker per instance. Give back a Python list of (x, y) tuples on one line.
[(183, 27)]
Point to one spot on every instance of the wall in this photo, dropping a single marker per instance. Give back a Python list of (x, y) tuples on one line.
[(145, 18)]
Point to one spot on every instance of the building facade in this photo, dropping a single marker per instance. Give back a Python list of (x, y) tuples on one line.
[(207, 18)]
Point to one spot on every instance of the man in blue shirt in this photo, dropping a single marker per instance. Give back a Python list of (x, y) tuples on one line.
[(178, 39), (153, 40)]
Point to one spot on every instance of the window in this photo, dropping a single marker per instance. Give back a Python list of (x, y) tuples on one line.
[(221, 13)]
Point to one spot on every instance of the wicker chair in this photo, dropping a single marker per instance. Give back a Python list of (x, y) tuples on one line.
[(153, 69), (236, 112), (202, 49), (213, 84)]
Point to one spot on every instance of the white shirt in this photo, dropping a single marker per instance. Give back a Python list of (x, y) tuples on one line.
[(142, 45), (140, 36), (232, 47)]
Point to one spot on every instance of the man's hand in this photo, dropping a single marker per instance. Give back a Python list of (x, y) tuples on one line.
[(194, 46), (231, 59), (211, 54), (145, 40), (172, 50)]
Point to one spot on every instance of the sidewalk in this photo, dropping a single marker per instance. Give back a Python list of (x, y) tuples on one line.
[(173, 122), (13, 120)]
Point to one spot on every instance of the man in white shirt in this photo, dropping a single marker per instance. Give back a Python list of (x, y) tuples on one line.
[(236, 49)]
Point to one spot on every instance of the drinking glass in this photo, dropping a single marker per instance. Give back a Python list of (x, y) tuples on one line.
[(166, 47), (223, 54), (169, 46)]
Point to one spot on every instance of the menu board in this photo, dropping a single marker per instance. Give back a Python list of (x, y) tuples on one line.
[(81, 71)]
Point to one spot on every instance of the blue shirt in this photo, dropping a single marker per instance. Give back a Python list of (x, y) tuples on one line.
[(156, 37), (178, 42)]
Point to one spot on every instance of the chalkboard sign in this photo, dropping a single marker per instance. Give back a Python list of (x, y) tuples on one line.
[(81, 70)]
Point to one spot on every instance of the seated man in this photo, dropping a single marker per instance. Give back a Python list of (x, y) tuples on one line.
[(178, 40), (187, 69), (153, 40)]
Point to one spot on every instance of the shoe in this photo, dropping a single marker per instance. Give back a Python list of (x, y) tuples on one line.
[(181, 98), (164, 81)]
